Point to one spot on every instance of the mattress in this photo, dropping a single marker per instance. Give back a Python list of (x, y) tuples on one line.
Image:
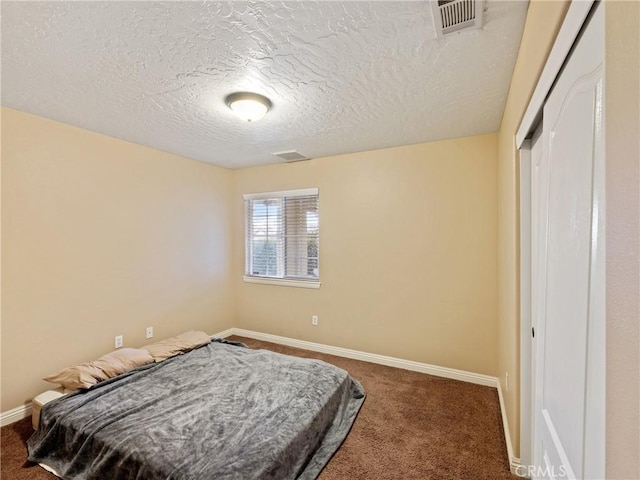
[(221, 411)]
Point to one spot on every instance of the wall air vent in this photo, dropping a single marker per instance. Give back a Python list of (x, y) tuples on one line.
[(451, 16), (290, 156)]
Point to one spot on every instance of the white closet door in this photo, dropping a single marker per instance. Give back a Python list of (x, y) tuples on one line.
[(569, 286)]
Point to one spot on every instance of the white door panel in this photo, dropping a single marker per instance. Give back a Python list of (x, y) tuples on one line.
[(567, 249), (567, 273)]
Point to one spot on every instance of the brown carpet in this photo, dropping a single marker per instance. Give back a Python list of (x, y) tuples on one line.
[(412, 426)]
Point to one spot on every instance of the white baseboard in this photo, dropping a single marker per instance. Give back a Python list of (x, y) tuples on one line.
[(445, 372), (514, 462), (15, 414), (224, 334)]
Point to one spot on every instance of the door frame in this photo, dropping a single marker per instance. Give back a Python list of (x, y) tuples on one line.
[(570, 29), (526, 391)]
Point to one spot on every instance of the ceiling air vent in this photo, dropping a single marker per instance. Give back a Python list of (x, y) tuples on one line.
[(451, 16), (290, 156)]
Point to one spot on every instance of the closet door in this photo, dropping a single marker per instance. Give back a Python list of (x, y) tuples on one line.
[(569, 285)]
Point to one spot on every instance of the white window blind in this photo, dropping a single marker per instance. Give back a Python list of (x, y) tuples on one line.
[(282, 235)]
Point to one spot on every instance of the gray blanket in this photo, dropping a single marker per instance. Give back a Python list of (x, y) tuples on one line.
[(222, 411)]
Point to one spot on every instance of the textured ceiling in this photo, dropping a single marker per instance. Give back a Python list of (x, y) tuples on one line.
[(343, 76)]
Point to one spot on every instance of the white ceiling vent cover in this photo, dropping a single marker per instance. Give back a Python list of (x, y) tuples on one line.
[(452, 16), (290, 156)]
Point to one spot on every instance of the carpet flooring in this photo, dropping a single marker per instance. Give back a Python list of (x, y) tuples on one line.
[(411, 426)]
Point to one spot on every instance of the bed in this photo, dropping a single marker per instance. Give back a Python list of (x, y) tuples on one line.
[(221, 411)]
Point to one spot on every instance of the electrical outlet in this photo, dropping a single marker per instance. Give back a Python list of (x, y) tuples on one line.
[(314, 320), (119, 341), (506, 381), (149, 332)]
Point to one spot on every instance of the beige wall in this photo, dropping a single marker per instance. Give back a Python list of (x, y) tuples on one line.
[(103, 237), (543, 21), (408, 254), (1, 404), (622, 124)]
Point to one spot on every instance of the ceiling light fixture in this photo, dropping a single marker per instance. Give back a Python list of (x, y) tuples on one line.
[(248, 106)]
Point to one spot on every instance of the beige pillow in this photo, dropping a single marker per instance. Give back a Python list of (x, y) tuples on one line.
[(176, 345), (107, 366), (73, 378), (121, 361)]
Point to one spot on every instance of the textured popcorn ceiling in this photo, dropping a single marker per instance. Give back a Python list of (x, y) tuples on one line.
[(343, 76)]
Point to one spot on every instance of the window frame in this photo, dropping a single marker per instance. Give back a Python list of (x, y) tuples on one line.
[(284, 280)]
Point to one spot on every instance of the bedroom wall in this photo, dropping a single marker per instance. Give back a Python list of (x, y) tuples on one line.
[(408, 260), (543, 22), (102, 237), (622, 124)]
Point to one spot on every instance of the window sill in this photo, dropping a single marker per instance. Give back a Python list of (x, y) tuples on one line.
[(282, 282)]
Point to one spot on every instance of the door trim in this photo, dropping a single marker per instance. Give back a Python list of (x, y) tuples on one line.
[(526, 392), (569, 31)]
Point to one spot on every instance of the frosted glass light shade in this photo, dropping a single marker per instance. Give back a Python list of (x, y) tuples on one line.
[(248, 106)]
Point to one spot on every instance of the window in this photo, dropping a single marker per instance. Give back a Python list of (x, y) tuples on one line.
[(282, 238)]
